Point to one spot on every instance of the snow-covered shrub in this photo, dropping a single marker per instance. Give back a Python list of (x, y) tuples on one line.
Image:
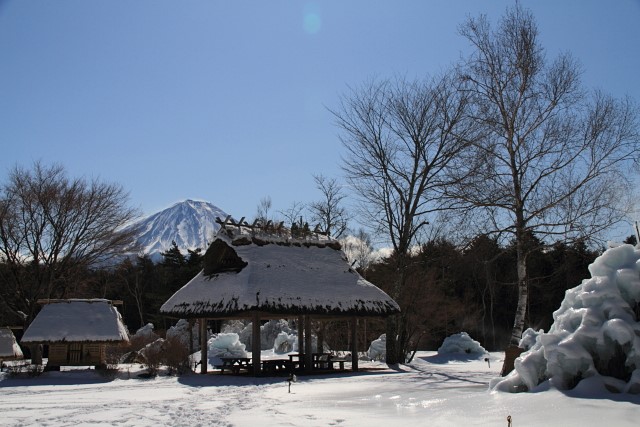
[(153, 356), (461, 344), (224, 345), (285, 343), (595, 332), (268, 333), (378, 348), (181, 332), (142, 337), (176, 354), (233, 326)]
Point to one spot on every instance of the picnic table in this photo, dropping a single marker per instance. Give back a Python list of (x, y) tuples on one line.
[(271, 366), (318, 360), (234, 364)]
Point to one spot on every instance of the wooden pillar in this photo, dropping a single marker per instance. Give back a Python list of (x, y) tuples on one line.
[(36, 354), (354, 344), (308, 351), (321, 336), (190, 339), (300, 334), (203, 346), (255, 343)]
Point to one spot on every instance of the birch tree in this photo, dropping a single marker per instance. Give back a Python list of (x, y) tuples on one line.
[(554, 161)]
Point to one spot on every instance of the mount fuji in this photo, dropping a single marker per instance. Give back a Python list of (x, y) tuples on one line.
[(190, 223)]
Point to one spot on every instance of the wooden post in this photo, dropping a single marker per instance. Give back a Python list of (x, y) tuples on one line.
[(354, 344), (36, 354), (204, 358), (300, 334), (308, 351), (190, 339), (321, 336), (255, 343)]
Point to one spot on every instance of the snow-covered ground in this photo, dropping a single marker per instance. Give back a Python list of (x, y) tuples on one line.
[(433, 390)]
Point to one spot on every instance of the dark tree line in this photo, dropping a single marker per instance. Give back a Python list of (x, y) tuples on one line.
[(475, 289)]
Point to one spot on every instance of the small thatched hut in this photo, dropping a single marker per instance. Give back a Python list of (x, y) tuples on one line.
[(253, 274), (77, 331), (9, 348)]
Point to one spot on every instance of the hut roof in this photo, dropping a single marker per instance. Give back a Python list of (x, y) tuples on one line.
[(9, 348), (278, 275), (77, 320)]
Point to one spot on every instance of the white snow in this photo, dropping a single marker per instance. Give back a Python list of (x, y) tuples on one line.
[(430, 391), (461, 344), (378, 348), (146, 333), (9, 348), (226, 345), (76, 320), (595, 336)]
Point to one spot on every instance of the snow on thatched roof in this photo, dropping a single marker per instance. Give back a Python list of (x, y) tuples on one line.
[(77, 320), (246, 271), (9, 348)]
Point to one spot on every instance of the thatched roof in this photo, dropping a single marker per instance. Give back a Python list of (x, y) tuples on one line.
[(246, 272), (9, 348), (77, 320)]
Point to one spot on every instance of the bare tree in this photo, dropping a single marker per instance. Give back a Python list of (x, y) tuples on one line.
[(358, 249), (263, 209), (294, 214), (52, 228), (401, 138), (328, 212), (553, 162)]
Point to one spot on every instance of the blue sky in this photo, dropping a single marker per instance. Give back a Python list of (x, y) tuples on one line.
[(226, 101)]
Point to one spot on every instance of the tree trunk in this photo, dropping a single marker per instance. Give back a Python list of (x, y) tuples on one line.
[(392, 340), (523, 296), (513, 351)]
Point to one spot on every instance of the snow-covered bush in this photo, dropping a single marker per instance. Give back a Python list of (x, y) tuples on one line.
[(224, 345), (595, 332), (461, 344), (152, 354), (378, 348), (233, 326), (176, 354), (181, 332), (268, 333), (142, 337), (285, 343)]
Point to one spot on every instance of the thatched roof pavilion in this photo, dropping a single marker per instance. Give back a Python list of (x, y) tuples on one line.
[(76, 330), (252, 273)]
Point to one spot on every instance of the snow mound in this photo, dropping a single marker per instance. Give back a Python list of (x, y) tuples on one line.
[(595, 332), (146, 333), (285, 343), (224, 345), (462, 344), (268, 333), (378, 348)]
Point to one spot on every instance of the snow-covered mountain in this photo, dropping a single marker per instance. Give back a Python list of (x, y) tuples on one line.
[(191, 224)]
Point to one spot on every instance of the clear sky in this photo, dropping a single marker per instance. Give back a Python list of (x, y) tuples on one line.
[(225, 100)]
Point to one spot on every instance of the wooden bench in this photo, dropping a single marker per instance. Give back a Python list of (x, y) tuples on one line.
[(234, 364), (338, 359)]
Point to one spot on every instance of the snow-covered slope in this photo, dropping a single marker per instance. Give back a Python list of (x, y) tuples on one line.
[(191, 224)]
